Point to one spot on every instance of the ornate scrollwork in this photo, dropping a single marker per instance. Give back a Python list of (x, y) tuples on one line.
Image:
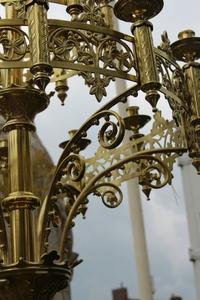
[(91, 13), (111, 140), (105, 172), (111, 166), (166, 140), (116, 55), (158, 176), (19, 7), (164, 134), (99, 51), (169, 71), (110, 134), (71, 167), (110, 194), (172, 79), (97, 84), (155, 174), (165, 45), (14, 43), (71, 45)]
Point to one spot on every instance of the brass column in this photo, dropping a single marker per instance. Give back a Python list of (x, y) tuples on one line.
[(147, 67), (21, 104), (38, 35), (107, 11), (187, 50), (139, 13), (20, 200)]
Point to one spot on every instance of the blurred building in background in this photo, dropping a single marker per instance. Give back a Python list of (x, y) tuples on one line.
[(122, 294), (175, 298)]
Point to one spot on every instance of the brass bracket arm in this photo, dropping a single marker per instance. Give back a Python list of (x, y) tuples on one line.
[(95, 184), (110, 136)]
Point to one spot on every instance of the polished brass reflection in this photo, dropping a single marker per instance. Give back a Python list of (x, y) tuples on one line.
[(36, 50)]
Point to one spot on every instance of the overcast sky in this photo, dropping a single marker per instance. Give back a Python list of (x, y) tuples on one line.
[(104, 239)]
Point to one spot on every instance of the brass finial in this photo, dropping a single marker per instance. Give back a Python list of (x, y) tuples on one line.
[(61, 89), (188, 33)]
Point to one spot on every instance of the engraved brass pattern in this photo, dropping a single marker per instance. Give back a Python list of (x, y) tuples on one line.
[(19, 7), (110, 135), (102, 175), (99, 51), (147, 69), (99, 56), (13, 49), (91, 13), (163, 139), (94, 186), (173, 81)]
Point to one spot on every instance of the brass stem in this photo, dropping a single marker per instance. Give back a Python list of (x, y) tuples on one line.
[(145, 55), (21, 215), (192, 75), (3, 239), (22, 235), (18, 143), (39, 48), (147, 67), (107, 11)]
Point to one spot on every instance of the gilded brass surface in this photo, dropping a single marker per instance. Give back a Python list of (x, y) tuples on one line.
[(148, 72), (34, 51), (37, 281)]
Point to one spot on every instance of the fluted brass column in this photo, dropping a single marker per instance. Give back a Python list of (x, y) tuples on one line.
[(20, 105), (21, 200), (147, 68), (187, 49), (139, 12), (38, 34), (192, 73), (107, 11)]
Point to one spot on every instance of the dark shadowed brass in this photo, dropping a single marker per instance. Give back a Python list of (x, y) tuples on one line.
[(81, 144), (133, 10), (134, 121), (187, 48)]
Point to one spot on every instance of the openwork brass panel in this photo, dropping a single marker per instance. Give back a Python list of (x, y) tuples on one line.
[(14, 49)]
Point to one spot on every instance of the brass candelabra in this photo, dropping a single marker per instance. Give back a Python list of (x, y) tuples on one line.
[(36, 50)]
